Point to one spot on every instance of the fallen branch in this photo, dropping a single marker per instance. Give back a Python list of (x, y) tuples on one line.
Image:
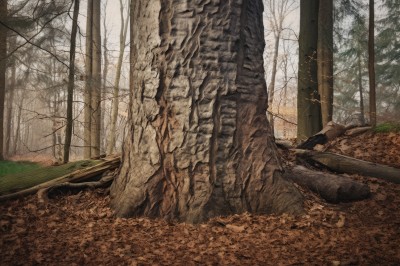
[(74, 177), (45, 193), (344, 164), (332, 188)]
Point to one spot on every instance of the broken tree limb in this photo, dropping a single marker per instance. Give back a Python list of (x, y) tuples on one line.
[(332, 188), (74, 177), (329, 132), (344, 164), (357, 131)]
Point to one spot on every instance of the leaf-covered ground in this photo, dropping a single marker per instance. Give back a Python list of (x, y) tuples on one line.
[(81, 230)]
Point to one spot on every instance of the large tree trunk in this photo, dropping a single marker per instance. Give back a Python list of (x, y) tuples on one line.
[(199, 142), (371, 64), (325, 59), (308, 100), (71, 83), (3, 67)]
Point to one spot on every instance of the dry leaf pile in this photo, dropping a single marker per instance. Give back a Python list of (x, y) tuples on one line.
[(81, 230), (382, 148)]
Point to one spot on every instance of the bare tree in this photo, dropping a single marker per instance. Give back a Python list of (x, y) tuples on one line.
[(3, 67), (325, 59), (122, 44), (371, 64), (88, 110), (308, 100), (93, 81), (277, 12), (71, 83)]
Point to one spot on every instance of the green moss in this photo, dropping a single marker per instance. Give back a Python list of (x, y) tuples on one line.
[(387, 127), (10, 167), (16, 181)]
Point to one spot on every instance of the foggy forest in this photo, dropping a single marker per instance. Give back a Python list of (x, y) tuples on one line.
[(182, 132)]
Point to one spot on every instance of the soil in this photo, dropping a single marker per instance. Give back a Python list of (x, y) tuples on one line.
[(80, 230)]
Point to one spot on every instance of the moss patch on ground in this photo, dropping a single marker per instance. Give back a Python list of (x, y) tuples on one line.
[(18, 180), (387, 127)]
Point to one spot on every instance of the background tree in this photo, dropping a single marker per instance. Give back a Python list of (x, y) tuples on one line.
[(371, 64), (325, 59), (93, 81), (199, 143), (277, 12), (71, 83), (3, 67), (115, 96), (308, 99)]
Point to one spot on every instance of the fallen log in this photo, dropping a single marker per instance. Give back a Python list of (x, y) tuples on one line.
[(344, 164), (45, 193), (332, 188), (74, 177)]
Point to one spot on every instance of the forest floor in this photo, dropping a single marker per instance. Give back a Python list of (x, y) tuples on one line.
[(81, 230)]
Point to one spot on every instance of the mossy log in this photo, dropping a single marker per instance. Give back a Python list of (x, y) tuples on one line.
[(74, 177)]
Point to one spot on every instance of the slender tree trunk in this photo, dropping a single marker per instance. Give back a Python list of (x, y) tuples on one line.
[(114, 116), (308, 99), (71, 84), (199, 143), (105, 76), (360, 88), (3, 67), (371, 64), (96, 85), (271, 87), (325, 59), (18, 127), (9, 119), (88, 84)]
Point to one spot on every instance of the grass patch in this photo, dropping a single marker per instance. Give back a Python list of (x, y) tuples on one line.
[(387, 127), (17, 181), (10, 167)]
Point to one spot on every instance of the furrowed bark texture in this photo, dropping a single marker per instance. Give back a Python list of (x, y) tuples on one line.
[(199, 143)]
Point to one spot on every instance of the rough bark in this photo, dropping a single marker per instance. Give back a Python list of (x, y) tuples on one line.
[(199, 143), (325, 59), (308, 99), (332, 188), (88, 83), (71, 83), (114, 115), (3, 67), (344, 164), (371, 64)]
